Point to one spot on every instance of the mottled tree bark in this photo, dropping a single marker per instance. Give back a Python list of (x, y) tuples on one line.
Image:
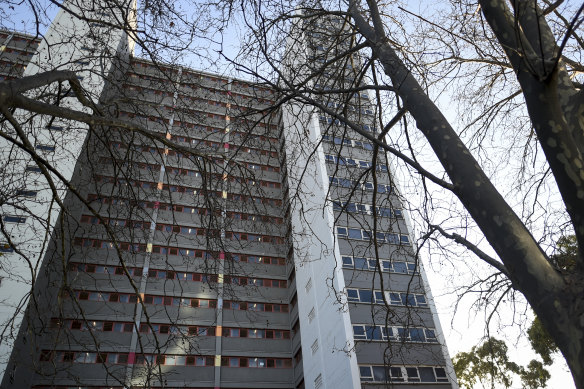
[(555, 110)]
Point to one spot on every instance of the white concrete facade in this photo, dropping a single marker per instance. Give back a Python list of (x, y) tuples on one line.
[(322, 310), (92, 52)]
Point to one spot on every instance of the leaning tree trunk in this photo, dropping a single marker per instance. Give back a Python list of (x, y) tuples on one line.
[(558, 300)]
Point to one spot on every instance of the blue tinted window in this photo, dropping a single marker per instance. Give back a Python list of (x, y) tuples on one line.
[(384, 212), (345, 183), (408, 299), (402, 333), (394, 298), (5, 248), (45, 148), (355, 234), (431, 335), (366, 296), (27, 193), (352, 295), (14, 219), (400, 267), (347, 262), (359, 332), (417, 334), (360, 263), (373, 332), (392, 238), (379, 297)]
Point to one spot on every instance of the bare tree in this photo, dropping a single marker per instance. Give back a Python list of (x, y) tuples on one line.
[(520, 58), (517, 58), (108, 181)]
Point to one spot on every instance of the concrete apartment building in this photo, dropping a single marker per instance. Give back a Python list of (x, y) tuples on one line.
[(229, 253)]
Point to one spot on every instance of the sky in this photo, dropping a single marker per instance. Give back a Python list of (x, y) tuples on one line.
[(462, 330)]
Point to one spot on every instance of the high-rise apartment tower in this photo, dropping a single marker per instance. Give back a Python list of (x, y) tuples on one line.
[(214, 242)]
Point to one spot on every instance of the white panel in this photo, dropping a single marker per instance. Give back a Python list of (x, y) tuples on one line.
[(62, 48), (317, 258)]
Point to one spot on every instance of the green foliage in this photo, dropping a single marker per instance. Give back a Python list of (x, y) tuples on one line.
[(489, 364), (566, 255), (541, 341), (534, 375)]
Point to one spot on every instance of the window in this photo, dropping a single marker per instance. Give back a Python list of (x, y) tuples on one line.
[(421, 300), (27, 193), (354, 233), (311, 315), (395, 374), (400, 267), (440, 374), (395, 298), (352, 295), (45, 148), (361, 263), (33, 168), (5, 248), (365, 296), (379, 373), (366, 374), (14, 219), (417, 335), (373, 332), (427, 374), (359, 332), (412, 374), (431, 336)]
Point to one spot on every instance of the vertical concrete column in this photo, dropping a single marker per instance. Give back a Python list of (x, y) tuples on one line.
[(221, 267), (146, 266)]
